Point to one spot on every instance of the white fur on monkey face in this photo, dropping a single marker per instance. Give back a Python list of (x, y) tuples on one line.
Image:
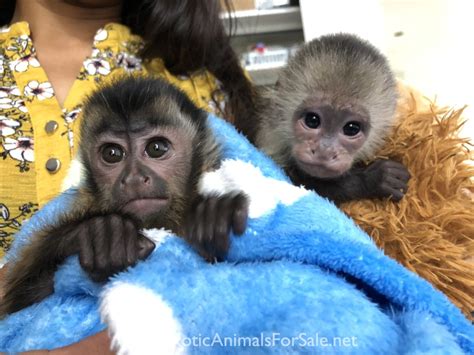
[(327, 136)]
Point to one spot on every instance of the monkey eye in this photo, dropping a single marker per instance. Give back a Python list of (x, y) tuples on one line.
[(351, 129), (157, 147), (312, 120), (112, 153)]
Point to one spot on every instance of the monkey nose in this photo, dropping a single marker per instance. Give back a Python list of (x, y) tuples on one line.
[(328, 156), (135, 179)]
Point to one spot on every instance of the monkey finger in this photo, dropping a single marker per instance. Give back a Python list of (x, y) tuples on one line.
[(222, 227), (389, 163), (145, 246), (207, 250), (200, 231), (86, 248), (188, 228), (379, 163), (131, 242), (117, 241), (240, 214), (400, 172), (209, 257), (100, 235), (220, 245), (396, 184), (190, 231), (212, 207), (71, 238), (197, 226), (221, 234), (395, 194), (98, 276)]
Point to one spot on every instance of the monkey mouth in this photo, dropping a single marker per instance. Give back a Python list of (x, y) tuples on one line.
[(143, 207), (324, 171)]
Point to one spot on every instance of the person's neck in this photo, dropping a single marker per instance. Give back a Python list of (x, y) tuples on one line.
[(60, 22), (63, 35)]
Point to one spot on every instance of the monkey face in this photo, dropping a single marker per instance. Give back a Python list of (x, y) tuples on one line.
[(144, 145), (142, 173), (327, 139)]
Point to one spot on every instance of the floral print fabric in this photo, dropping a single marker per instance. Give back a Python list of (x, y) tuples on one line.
[(28, 105)]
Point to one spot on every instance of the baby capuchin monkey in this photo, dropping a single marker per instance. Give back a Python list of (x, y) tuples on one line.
[(332, 108), (144, 147)]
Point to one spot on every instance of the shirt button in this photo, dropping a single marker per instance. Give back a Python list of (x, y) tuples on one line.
[(51, 127), (53, 165)]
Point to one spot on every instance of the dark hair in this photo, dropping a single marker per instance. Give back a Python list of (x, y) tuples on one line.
[(188, 35), (6, 11)]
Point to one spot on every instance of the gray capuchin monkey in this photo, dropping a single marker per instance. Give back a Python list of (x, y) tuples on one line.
[(144, 148), (331, 109)]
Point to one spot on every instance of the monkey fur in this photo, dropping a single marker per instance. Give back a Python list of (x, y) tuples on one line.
[(331, 109), (144, 146)]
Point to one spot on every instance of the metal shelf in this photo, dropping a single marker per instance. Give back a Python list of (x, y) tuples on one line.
[(250, 22)]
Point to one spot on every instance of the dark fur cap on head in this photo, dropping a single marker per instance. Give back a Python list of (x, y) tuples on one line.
[(343, 70), (137, 101)]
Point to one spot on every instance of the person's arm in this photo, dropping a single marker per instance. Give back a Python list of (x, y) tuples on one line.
[(98, 344)]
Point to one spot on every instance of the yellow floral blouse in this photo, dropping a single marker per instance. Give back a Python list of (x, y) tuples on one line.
[(38, 137)]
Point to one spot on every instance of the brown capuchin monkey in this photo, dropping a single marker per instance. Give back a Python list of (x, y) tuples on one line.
[(144, 147), (331, 109)]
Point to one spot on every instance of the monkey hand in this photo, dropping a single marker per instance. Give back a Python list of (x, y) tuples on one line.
[(210, 221), (387, 178), (109, 244)]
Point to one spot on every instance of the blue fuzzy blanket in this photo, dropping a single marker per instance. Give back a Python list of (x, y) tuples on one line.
[(303, 278)]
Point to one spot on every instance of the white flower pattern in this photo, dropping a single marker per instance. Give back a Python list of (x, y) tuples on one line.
[(42, 91), (129, 62), (95, 53), (20, 105), (71, 116), (20, 149), (101, 35), (21, 65), (12, 90), (5, 103), (20, 44), (8, 126), (97, 66)]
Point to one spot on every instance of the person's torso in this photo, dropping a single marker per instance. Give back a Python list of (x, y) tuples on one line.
[(38, 137)]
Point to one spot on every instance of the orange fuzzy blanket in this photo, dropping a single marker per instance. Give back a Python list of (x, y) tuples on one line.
[(431, 231)]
